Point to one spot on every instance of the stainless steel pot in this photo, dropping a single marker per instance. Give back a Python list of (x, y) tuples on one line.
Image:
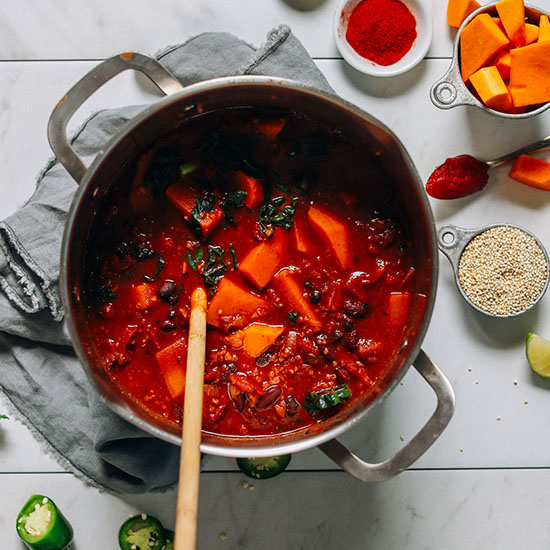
[(164, 117)]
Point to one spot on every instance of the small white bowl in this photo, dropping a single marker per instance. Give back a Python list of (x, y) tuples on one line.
[(424, 31)]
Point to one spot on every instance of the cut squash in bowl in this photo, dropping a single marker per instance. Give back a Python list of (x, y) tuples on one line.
[(501, 60)]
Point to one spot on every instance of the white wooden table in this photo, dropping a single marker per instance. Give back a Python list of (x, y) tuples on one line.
[(486, 482)]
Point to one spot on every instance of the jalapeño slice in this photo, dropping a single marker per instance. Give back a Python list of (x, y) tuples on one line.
[(141, 532), (263, 468), (41, 526)]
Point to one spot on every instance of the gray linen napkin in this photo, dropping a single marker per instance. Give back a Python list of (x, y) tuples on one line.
[(40, 375)]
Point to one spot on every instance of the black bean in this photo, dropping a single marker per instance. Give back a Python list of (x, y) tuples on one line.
[(167, 326), (309, 285), (270, 396), (342, 374), (168, 292), (356, 309), (292, 406), (346, 322), (328, 354), (315, 297), (229, 368), (264, 359), (240, 401), (351, 340)]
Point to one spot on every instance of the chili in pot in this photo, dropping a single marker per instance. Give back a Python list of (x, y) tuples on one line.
[(310, 285)]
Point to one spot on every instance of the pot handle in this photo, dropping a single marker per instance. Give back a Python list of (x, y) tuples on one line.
[(88, 85), (419, 443)]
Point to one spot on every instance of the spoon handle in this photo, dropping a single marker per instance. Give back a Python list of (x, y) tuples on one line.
[(188, 486), (542, 144)]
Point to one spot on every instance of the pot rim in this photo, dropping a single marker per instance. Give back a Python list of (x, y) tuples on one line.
[(308, 441)]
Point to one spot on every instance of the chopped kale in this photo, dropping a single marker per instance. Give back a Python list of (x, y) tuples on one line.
[(278, 183), (316, 402), (143, 253), (158, 270), (102, 294), (293, 316), (160, 266), (232, 250), (194, 261), (235, 200), (215, 266), (164, 171), (187, 168), (231, 203), (274, 214), (204, 204)]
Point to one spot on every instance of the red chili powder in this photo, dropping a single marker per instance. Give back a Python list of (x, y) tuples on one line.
[(457, 177), (381, 30)]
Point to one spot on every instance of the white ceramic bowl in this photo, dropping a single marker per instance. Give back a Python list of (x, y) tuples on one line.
[(424, 31)]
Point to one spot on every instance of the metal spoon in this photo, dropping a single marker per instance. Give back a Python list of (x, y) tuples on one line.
[(538, 145)]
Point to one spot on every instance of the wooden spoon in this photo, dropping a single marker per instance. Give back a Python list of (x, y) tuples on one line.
[(188, 486)]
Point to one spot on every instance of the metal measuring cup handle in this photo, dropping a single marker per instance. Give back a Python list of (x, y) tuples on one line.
[(450, 91), (452, 241)]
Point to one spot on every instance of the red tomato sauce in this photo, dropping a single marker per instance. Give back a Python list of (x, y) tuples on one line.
[(299, 244)]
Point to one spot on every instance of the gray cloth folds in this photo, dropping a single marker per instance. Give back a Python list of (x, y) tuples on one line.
[(40, 376)]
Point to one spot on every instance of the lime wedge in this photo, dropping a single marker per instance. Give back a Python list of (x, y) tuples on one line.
[(537, 350)]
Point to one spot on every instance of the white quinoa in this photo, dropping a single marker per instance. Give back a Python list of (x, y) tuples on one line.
[(503, 270)]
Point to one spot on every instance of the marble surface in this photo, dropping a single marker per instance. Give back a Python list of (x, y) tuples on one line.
[(484, 483)]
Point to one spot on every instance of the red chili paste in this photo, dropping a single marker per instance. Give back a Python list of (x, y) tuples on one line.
[(310, 284), (458, 177), (381, 30)]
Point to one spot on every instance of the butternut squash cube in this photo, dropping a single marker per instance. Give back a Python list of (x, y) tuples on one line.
[(261, 263), (285, 282), (491, 88), (301, 239), (184, 198), (334, 233), (502, 63), (544, 29), (512, 15), (499, 23), (233, 305), (458, 10), (398, 307), (480, 41), (258, 337), (253, 187), (531, 33), (531, 171), (530, 74), (172, 361), (143, 296)]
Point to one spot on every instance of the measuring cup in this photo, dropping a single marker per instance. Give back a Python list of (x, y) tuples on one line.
[(453, 240)]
